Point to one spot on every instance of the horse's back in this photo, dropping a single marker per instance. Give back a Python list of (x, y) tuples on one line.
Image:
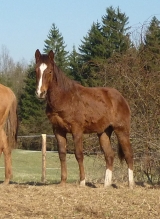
[(110, 98)]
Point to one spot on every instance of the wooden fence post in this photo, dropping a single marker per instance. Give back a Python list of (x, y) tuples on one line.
[(43, 179)]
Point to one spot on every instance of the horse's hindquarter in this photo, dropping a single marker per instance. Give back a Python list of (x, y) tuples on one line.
[(121, 110), (104, 107)]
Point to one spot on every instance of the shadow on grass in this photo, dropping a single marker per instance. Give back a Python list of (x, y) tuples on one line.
[(91, 185), (34, 183), (31, 183), (88, 184)]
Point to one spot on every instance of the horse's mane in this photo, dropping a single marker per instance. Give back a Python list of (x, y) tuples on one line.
[(63, 81)]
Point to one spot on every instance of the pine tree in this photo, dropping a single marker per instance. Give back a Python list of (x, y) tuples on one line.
[(92, 45), (92, 52), (150, 48), (114, 25), (56, 43), (103, 40), (74, 70), (152, 37)]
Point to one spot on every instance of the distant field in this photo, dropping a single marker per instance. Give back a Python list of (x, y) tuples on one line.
[(27, 167)]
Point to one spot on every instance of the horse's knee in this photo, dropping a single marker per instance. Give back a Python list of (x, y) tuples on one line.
[(78, 147), (62, 151), (79, 155), (62, 155)]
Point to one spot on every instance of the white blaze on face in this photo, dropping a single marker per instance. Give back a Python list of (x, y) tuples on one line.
[(42, 68)]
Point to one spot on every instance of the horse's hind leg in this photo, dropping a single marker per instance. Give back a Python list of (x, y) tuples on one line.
[(7, 158), (126, 152), (104, 139)]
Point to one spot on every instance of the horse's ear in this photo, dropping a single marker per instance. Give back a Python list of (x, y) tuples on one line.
[(37, 55), (51, 55)]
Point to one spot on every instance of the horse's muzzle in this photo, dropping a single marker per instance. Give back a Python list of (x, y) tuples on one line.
[(41, 95)]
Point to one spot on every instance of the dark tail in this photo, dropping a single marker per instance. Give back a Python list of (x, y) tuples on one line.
[(120, 152), (12, 125)]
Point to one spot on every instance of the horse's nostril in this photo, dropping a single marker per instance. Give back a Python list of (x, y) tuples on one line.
[(41, 94), (37, 94)]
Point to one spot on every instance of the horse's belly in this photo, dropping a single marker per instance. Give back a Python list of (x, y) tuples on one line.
[(96, 127)]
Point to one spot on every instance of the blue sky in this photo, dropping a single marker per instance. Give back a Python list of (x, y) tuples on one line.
[(24, 24)]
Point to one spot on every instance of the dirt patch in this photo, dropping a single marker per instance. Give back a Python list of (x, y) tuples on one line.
[(51, 201)]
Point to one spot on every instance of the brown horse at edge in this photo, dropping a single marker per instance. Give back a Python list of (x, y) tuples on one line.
[(73, 108), (8, 127)]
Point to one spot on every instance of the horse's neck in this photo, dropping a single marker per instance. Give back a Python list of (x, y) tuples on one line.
[(61, 88), (54, 91), (55, 96)]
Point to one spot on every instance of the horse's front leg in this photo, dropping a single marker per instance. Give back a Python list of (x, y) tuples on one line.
[(77, 138), (61, 140)]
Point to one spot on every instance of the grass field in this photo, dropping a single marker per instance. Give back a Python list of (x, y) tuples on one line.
[(27, 167)]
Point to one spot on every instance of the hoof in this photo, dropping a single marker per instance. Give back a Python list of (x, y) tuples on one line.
[(108, 186), (131, 185), (62, 184), (5, 183), (82, 183)]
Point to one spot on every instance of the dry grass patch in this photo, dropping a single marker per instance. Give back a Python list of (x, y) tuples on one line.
[(52, 201), (25, 198)]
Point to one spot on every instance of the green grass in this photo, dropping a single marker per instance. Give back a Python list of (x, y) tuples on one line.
[(27, 167)]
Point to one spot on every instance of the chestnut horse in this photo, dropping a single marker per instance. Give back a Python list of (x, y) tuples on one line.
[(8, 127), (73, 108)]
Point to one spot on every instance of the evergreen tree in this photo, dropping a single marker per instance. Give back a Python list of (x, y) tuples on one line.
[(74, 70), (56, 43), (101, 43), (92, 45), (92, 52), (150, 48), (152, 37), (114, 25)]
